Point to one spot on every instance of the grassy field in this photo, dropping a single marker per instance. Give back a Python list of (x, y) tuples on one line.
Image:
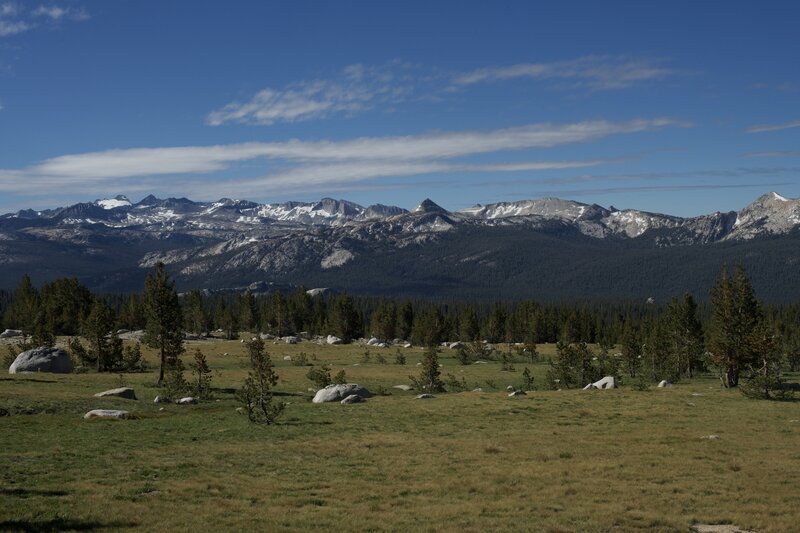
[(558, 461)]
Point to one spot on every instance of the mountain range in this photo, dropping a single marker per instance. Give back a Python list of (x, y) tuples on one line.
[(546, 248)]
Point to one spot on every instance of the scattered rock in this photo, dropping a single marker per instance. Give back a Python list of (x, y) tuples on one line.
[(425, 396), (407, 345), (291, 340), (187, 400), (372, 342), (719, 528), (710, 437), (510, 388), (353, 398), (42, 359), (161, 399), (479, 363), (267, 336), (333, 339), (107, 413), (338, 392), (456, 345), (477, 390), (9, 333), (287, 357), (403, 387), (517, 393), (664, 384), (132, 335), (160, 409), (121, 392)]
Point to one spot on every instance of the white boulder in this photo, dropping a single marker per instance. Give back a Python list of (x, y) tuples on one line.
[(107, 413), (425, 396), (188, 400), (161, 399), (607, 382), (42, 359), (664, 384), (9, 333), (517, 393), (121, 392), (338, 392), (333, 339), (353, 398)]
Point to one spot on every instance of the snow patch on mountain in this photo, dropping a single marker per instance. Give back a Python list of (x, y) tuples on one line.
[(113, 203)]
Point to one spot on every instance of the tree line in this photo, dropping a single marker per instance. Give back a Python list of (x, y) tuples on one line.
[(670, 341)]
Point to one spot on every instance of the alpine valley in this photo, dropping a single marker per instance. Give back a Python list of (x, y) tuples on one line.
[(547, 249)]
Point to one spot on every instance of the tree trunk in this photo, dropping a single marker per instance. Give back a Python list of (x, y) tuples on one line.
[(161, 370), (731, 377)]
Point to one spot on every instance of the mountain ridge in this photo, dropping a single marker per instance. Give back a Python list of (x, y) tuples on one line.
[(111, 243)]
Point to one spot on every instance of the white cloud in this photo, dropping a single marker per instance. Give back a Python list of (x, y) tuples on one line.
[(761, 128), (358, 88), (355, 88), (13, 27), (313, 163), (56, 13), (594, 72)]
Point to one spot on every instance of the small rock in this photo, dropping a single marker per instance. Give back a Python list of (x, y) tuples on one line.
[(160, 409), (353, 398), (456, 345), (425, 396), (710, 437), (121, 392), (9, 333), (664, 384), (188, 400), (403, 387), (477, 390), (333, 339), (479, 363), (517, 393), (287, 357), (107, 413), (225, 354), (161, 399), (510, 388)]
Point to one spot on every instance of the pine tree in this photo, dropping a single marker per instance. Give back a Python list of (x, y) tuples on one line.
[(164, 325), (685, 334), (430, 379), (96, 328), (201, 375), (256, 393), (24, 306), (736, 329)]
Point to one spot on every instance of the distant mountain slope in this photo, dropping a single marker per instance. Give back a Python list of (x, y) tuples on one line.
[(547, 248)]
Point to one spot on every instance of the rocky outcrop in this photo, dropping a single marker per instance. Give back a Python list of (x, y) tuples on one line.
[(336, 393)]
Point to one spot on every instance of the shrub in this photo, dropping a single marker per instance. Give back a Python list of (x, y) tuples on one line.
[(300, 360), (399, 358), (527, 380), (340, 378), (201, 382), (256, 392), (321, 377)]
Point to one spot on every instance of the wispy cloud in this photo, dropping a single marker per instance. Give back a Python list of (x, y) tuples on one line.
[(594, 72), (316, 163), (774, 153), (359, 88), (355, 88), (56, 13), (15, 19), (659, 188), (761, 128)]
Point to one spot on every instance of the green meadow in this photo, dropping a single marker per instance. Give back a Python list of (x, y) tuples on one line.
[(554, 461)]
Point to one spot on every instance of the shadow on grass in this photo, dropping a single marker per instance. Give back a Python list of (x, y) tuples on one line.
[(24, 378), (28, 493), (61, 524), (303, 423)]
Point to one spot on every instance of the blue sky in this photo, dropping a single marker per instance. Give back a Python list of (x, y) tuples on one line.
[(677, 107)]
